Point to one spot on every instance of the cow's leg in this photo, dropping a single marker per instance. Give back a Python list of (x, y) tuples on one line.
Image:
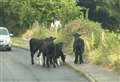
[(32, 50), (43, 60), (47, 62), (62, 56), (58, 61), (38, 57), (32, 57), (51, 61), (54, 61), (39, 54), (76, 58)]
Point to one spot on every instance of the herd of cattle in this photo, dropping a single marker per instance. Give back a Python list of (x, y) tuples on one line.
[(50, 50)]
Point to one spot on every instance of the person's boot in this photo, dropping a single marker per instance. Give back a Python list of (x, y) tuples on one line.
[(80, 62)]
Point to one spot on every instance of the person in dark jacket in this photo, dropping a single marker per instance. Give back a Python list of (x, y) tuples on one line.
[(78, 48)]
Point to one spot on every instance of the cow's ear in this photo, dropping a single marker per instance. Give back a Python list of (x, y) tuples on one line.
[(52, 38)]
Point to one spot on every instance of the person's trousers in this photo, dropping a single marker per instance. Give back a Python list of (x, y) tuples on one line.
[(78, 57)]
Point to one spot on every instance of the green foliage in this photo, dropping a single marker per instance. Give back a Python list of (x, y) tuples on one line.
[(21, 14), (42, 32), (104, 11), (117, 66), (108, 14), (106, 53)]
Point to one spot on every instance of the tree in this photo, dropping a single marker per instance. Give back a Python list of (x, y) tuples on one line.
[(22, 13), (104, 11), (113, 8)]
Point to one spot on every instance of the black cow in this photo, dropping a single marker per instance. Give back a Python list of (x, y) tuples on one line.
[(59, 53), (78, 48), (35, 45), (48, 50), (46, 46)]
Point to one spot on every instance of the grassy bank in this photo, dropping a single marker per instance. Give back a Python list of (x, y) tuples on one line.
[(102, 47), (19, 42)]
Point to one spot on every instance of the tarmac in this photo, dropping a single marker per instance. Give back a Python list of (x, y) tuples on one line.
[(93, 73)]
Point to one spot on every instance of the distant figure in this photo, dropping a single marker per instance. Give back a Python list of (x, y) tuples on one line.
[(78, 48), (56, 24)]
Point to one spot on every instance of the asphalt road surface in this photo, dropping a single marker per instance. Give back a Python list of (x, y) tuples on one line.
[(15, 67)]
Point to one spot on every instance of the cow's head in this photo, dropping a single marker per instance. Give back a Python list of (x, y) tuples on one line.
[(52, 38)]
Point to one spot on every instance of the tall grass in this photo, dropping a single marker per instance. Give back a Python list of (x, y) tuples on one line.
[(102, 47), (19, 42), (41, 33)]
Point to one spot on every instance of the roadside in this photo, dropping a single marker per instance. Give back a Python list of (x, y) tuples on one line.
[(20, 43), (93, 73)]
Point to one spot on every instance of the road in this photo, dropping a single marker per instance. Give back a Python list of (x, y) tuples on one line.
[(15, 67)]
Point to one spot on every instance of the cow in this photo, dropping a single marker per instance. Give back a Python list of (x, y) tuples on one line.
[(78, 48), (48, 50), (59, 55), (45, 46), (35, 45)]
